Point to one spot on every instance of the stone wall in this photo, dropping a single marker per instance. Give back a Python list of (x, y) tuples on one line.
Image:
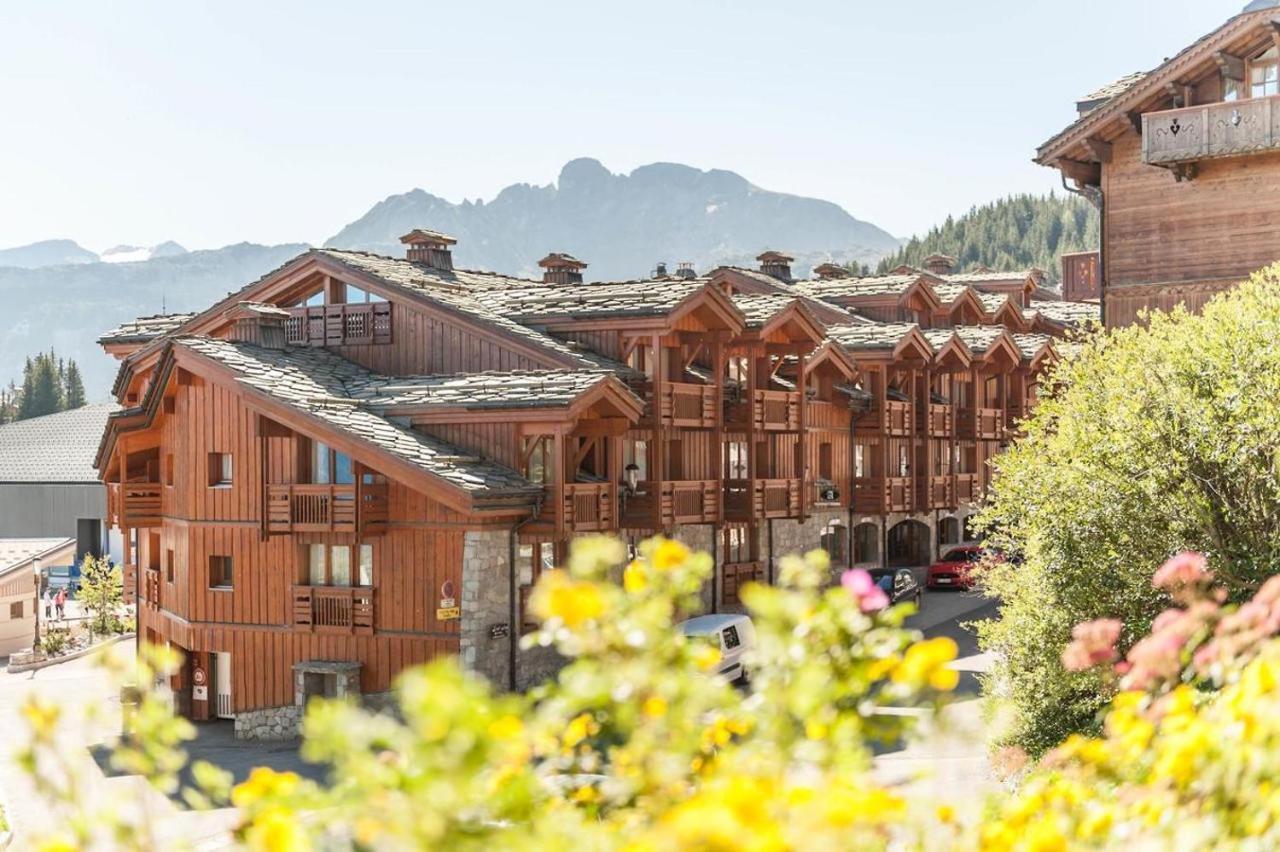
[(699, 538), (270, 723)]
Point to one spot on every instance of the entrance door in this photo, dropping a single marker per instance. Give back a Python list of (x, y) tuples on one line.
[(222, 684)]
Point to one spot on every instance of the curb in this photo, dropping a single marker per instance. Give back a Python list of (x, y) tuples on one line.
[(66, 658)]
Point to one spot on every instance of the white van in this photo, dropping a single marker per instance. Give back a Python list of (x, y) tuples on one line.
[(736, 636)]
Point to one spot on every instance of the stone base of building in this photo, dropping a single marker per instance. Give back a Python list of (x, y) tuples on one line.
[(269, 724)]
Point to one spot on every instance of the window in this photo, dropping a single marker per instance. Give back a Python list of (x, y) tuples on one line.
[(15, 610), (833, 541), (904, 460), (730, 638), (859, 467), (330, 467), (866, 544), (637, 453), (739, 545), (538, 467), (168, 566), (331, 565), (948, 531), (1263, 79), (219, 470), (739, 370), (825, 466), (737, 460), (531, 561), (675, 461), (167, 471), (1232, 90), (220, 574)]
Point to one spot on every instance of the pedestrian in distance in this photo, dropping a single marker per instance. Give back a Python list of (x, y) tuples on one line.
[(61, 603)]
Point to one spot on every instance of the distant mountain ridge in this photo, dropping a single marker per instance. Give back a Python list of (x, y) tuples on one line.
[(623, 224), (58, 293)]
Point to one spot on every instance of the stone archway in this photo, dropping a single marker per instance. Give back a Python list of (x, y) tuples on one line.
[(909, 544), (866, 544), (835, 541), (949, 531)]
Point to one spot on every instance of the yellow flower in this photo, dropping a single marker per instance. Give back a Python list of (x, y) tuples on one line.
[(655, 707), (579, 729), (585, 795), (573, 602), (42, 716), (633, 578), (60, 843), (946, 814), (815, 730), (882, 667), (277, 830), (668, 554), (506, 727), (944, 680), (706, 657), (925, 662), (262, 783)]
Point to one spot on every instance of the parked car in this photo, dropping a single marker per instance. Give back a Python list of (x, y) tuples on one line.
[(735, 636), (900, 585), (955, 569)]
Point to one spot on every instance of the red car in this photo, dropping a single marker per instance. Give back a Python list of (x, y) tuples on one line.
[(953, 570)]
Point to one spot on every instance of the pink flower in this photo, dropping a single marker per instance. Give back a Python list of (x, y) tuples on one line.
[(1270, 591), (1093, 643), (859, 583), (1185, 569)]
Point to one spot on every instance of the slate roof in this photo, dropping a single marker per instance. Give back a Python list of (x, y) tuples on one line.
[(991, 302), (979, 278), (487, 390), (979, 338), (615, 299), (18, 552), (326, 386), (948, 293), (847, 288), (144, 329), (55, 448), (870, 336), (759, 308), (1097, 98), (1030, 344), (1067, 313)]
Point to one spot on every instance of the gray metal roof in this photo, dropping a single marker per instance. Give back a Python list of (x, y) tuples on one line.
[(18, 552), (55, 448)]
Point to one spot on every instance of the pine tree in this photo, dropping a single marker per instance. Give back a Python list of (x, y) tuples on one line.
[(41, 390), (73, 385)]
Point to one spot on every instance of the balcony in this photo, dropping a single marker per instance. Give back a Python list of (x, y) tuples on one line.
[(590, 507), (336, 609), (336, 325), (777, 498), (134, 505), (151, 586), (942, 492), (876, 495), (981, 424), (686, 502), (777, 411), (1231, 129), (940, 421), (687, 406), (967, 489), (326, 508)]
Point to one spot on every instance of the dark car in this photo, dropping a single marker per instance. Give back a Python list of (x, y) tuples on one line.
[(899, 584), (955, 569)]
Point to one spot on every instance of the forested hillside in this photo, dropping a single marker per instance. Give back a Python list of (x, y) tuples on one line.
[(1012, 233)]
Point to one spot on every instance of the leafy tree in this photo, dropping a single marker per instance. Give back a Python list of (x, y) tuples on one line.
[(101, 593), (1151, 440), (1014, 233)]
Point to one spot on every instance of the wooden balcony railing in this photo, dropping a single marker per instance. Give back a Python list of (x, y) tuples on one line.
[(590, 507), (1229, 129), (967, 490), (333, 608), (877, 495), (982, 424), (942, 492), (688, 502), (777, 498), (312, 508), (688, 406), (151, 586), (777, 411), (134, 504), (897, 418), (940, 421), (334, 325)]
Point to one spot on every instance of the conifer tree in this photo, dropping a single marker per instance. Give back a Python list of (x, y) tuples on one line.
[(73, 387)]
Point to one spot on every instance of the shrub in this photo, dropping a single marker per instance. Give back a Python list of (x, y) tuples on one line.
[(54, 640), (101, 593), (1151, 440)]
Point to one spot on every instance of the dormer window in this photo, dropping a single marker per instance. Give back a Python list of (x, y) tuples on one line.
[(1264, 74), (351, 295)]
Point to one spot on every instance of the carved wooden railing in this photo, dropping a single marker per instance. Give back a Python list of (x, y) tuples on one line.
[(967, 489), (590, 507), (876, 495), (333, 608), (897, 418), (311, 508), (777, 498), (134, 504), (1226, 129), (940, 421), (151, 586), (688, 406), (983, 424), (942, 492), (334, 325), (776, 411), (694, 502)]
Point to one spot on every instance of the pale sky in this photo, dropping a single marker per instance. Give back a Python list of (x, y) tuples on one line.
[(212, 123)]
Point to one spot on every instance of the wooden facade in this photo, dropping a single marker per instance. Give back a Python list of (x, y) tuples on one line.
[(359, 463), (1184, 163)]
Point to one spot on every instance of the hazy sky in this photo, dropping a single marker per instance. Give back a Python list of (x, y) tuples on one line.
[(130, 122)]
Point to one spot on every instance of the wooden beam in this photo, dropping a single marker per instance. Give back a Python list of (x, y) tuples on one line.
[(1087, 174), (1101, 149), (1232, 67), (602, 426), (1135, 120), (1175, 91)]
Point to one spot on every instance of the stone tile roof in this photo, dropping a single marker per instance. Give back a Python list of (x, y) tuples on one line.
[(18, 553), (992, 302), (979, 278), (1097, 98), (487, 390), (1030, 344), (979, 338), (1067, 313), (144, 329), (759, 308), (54, 448), (938, 337), (948, 293), (870, 336), (326, 386), (615, 299), (848, 288)]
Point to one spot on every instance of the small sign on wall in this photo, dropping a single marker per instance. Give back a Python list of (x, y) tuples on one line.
[(200, 693), (448, 613), (499, 631)]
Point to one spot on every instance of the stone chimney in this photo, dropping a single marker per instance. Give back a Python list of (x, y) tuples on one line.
[(776, 264), (660, 271), (260, 324), (685, 270), (561, 268), (430, 248), (940, 264), (827, 271)]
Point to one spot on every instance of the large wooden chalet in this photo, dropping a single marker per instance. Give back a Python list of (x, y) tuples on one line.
[(1184, 162), (357, 462)]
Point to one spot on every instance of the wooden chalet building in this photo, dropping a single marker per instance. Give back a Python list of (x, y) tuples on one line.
[(1184, 162), (357, 463)]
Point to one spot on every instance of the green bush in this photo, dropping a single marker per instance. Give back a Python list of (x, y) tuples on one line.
[(55, 640), (1151, 440)]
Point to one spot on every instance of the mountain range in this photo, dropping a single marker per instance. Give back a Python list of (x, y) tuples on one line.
[(61, 294)]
